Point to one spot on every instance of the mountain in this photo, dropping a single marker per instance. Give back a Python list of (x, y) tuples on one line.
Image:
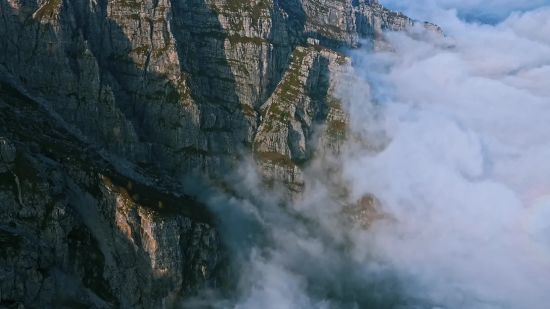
[(105, 105)]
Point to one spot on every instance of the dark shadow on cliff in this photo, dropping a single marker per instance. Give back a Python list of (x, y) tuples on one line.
[(135, 97), (193, 102), (286, 34), (318, 86), (41, 141), (199, 40), (328, 42)]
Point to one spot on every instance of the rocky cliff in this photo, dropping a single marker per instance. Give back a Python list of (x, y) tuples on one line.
[(106, 104), (77, 231)]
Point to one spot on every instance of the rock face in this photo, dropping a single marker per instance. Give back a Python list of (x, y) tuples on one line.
[(76, 231), (105, 103), (178, 84)]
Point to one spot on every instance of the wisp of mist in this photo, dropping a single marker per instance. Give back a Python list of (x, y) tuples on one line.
[(466, 174), (463, 182)]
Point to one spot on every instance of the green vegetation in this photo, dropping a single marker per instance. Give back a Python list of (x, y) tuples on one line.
[(248, 111), (256, 10), (131, 4), (234, 39), (291, 86), (141, 50), (330, 29), (149, 197), (289, 89), (275, 158), (127, 201), (48, 9), (176, 93), (334, 103), (239, 64), (158, 52), (336, 128), (342, 59)]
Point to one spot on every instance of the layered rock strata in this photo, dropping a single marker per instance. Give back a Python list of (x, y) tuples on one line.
[(106, 104), (78, 232)]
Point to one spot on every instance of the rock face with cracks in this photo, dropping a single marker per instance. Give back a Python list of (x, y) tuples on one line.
[(105, 104), (78, 231)]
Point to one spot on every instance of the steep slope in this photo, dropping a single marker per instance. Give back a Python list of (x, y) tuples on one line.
[(106, 104), (174, 84), (77, 231)]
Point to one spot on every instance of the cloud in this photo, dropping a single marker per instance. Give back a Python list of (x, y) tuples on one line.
[(469, 140), (462, 176)]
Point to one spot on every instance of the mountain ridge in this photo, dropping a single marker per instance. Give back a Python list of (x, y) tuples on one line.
[(105, 106)]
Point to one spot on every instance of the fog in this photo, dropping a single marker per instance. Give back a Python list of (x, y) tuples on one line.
[(468, 120), (463, 180)]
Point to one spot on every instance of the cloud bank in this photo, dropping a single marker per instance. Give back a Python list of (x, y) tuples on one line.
[(468, 120), (463, 179)]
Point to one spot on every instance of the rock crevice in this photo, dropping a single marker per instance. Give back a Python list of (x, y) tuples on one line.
[(106, 104)]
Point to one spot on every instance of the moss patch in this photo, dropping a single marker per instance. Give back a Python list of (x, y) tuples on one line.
[(131, 4), (254, 10), (235, 39), (336, 128), (142, 196), (248, 111), (289, 90), (275, 158), (291, 86), (48, 9)]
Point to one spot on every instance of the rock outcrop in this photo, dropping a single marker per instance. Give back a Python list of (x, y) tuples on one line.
[(106, 104), (179, 84), (76, 231)]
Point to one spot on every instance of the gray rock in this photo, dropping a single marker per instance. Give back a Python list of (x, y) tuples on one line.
[(109, 101), (73, 231), (182, 83)]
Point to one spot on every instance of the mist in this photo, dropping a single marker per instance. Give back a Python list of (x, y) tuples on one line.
[(463, 180), (467, 117)]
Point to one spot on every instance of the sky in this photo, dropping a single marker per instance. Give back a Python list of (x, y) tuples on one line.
[(484, 11), (462, 178)]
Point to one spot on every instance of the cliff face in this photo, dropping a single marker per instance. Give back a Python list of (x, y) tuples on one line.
[(180, 84), (103, 102), (77, 231)]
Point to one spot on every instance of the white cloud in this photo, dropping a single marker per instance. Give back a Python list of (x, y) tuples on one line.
[(468, 123), (469, 150)]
